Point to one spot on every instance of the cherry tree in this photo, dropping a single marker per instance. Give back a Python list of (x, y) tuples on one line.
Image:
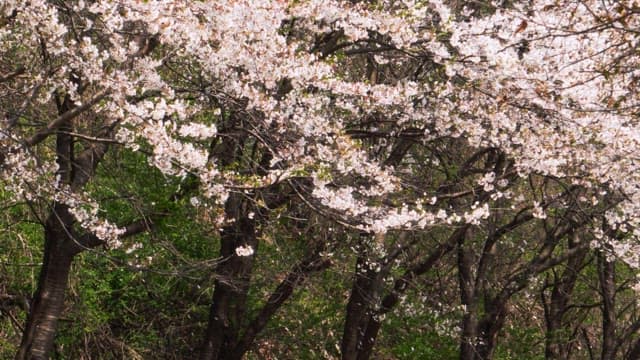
[(405, 117), (126, 74)]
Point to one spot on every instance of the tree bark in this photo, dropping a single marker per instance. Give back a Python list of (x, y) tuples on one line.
[(232, 285), (374, 322), (489, 327), (555, 309), (281, 294), (634, 353), (48, 303), (469, 301), (60, 248), (364, 293), (606, 273)]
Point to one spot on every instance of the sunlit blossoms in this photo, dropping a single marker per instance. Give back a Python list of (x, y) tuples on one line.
[(244, 251), (554, 94)]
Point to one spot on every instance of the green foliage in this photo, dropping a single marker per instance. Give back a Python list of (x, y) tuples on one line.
[(20, 256), (521, 343), (148, 295), (414, 332), (426, 346)]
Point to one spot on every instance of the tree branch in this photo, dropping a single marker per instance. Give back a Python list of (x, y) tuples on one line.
[(62, 119)]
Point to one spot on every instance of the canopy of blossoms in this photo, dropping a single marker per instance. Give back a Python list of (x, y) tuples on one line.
[(553, 87)]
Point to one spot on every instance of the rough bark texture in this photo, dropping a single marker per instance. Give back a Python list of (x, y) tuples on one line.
[(48, 303), (229, 297), (362, 293)]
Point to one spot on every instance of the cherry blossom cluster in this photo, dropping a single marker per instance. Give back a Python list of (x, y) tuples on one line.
[(553, 87)]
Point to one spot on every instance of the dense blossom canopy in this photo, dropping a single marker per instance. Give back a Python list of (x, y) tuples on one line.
[(553, 87)]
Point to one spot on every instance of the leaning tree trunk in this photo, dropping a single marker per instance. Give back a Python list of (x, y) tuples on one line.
[(61, 242), (48, 302), (59, 248)]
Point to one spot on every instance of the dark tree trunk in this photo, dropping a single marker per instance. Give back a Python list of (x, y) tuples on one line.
[(229, 297), (480, 333), (229, 333), (634, 353), (374, 322), (364, 293), (556, 347), (48, 303), (468, 336), (606, 273), (489, 328), (281, 294), (468, 298)]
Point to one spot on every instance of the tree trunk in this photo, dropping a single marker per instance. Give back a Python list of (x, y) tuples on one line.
[(281, 294), (489, 327), (48, 303), (606, 272), (556, 347), (390, 300), (364, 292), (229, 297), (61, 242), (634, 353), (468, 298)]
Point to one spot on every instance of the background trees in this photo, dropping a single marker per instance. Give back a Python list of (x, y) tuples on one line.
[(313, 178)]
